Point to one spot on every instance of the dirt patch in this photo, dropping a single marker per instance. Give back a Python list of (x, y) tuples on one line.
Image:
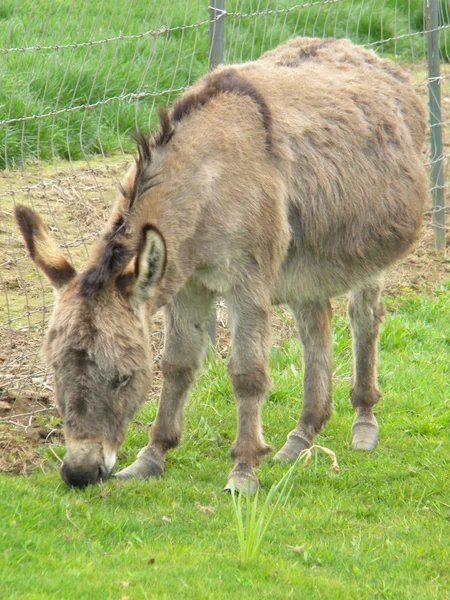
[(421, 270), (17, 455)]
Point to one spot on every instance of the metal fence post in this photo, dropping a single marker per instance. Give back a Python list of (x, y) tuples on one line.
[(216, 33), (216, 53), (434, 99)]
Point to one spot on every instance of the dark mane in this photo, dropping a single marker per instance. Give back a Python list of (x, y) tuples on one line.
[(143, 181), (228, 80), (117, 252), (166, 128)]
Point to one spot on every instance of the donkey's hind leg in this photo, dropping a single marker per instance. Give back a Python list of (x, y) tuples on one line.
[(314, 327), (186, 338), (366, 315)]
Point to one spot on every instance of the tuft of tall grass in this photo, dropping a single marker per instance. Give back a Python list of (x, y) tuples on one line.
[(251, 528)]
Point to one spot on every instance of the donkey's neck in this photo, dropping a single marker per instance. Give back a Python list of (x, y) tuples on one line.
[(174, 206)]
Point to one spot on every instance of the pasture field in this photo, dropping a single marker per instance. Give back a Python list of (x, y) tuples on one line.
[(379, 529)]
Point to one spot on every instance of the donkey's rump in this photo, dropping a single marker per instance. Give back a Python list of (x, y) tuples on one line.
[(341, 55)]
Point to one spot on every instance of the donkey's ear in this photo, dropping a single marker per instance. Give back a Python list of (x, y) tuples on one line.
[(150, 262), (42, 248)]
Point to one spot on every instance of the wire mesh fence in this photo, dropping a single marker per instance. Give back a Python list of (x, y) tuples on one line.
[(76, 78)]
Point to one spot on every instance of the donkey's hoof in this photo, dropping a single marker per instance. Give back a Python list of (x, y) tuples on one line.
[(146, 465), (242, 479), (364, 432), (292, 448)]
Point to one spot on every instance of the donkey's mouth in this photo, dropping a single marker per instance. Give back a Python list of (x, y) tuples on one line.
[(87, 462), (82, 476)]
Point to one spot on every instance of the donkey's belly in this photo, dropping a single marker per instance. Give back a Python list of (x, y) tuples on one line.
[(304, 279)]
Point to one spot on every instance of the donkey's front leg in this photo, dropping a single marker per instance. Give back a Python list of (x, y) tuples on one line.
[(248, 370), (314, 327), (186, 338)]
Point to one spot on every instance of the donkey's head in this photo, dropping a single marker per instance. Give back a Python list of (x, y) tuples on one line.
[(98, 339)]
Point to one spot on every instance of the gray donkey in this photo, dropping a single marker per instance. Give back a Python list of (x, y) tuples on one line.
[(290, 179)]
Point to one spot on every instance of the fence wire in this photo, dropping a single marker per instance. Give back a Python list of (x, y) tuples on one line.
[(77, 77)]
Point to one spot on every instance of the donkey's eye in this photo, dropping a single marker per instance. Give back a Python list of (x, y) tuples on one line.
[(120, 382)]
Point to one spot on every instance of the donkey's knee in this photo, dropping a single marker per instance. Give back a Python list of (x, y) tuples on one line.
[(180, 376), (379, 312), (368, 317), (253, 383), (365, 396)]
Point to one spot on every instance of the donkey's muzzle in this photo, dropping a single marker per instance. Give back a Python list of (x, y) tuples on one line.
[(83, 475)]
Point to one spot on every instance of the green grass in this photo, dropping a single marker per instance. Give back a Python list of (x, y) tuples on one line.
[(252, 523), (379, 529), (33, 83)]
